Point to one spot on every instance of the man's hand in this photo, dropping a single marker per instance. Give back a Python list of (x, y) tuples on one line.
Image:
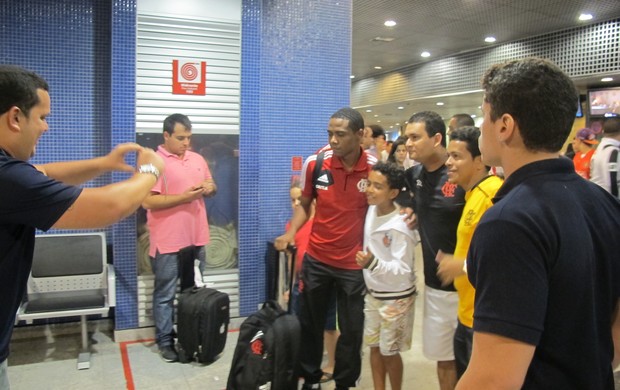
[(281, 243), (115, 160), (410, 218), (146, 156), (448, 268), (363, 258), (208, 188), (193, 193)]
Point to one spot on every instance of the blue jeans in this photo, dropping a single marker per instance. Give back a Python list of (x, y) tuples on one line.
[(166, 271)]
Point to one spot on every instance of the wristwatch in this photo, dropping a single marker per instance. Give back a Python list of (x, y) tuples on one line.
[(149, 168)]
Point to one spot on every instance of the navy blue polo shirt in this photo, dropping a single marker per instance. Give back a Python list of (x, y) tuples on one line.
[(28, 200), (545, 262)]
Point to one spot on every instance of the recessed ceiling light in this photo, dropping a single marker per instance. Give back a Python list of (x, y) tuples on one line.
[(607, 79), (584, 17), (490, 39), (352, 76), (378, 67), (382, 39), (440, 103), (376, 115), (473, 115), (389, 23), (425, 54), (368, 110), (398, 124), (401, 107), (378, 121)]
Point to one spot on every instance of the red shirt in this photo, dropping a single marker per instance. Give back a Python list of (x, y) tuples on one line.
[(582, 163), (338, 228)]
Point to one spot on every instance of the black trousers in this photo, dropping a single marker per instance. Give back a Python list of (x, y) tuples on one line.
[(318, 280), (463, 341)]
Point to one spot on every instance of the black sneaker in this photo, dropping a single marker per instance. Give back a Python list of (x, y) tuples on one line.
[(168, 353), (311, 386)]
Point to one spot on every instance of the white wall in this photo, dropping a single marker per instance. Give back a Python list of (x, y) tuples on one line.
[(229, 10)]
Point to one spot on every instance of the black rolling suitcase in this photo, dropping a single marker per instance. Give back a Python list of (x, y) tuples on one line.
[(280, 266), (203, 315)]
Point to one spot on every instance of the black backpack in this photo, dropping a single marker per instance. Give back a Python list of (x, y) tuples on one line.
[(267, 351)]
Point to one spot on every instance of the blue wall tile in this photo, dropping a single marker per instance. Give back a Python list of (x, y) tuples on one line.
[(295, 73), (86, 51)]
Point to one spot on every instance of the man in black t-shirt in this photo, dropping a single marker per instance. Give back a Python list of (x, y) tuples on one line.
[(545, 259), (438, 205)]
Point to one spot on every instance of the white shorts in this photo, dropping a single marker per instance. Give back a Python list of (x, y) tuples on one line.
[(439, 324), (388, 324)]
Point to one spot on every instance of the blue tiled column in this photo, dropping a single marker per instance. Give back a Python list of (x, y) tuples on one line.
[(296, 61), (123, 117)]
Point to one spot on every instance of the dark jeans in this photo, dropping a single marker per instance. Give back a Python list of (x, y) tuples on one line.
[(318, 281), (463, 339)]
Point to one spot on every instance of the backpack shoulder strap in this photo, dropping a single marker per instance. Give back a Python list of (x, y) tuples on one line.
[(318, 165), (613, 170)]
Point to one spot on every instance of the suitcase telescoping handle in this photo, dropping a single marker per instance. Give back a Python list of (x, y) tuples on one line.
[(292, 249)]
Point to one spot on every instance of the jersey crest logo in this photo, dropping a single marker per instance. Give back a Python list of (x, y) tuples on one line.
[(362, 185), (448, 190), (387, 240)]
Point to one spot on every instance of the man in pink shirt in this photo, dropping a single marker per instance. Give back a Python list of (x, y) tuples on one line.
[(177, 218)]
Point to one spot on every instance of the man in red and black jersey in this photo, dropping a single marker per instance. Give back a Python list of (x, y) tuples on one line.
[(329, 263)]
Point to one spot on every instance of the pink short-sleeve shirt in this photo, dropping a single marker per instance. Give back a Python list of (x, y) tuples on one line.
[(177, 227)]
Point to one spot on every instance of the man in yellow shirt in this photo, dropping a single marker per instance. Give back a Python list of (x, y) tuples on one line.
[(466, 169)]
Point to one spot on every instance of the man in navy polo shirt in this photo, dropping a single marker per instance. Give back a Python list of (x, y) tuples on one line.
[(545, 258), (336, 237), (44, 196)]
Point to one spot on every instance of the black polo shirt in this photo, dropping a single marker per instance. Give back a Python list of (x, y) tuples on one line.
[(545, 262)]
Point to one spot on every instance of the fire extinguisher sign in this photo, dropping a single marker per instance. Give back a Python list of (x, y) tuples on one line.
[(189, 77)]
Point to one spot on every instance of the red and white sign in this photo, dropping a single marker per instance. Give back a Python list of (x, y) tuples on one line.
[(189, 77), (296, 163)]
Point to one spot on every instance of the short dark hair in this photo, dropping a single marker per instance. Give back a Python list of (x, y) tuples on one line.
[(463, 120), (173, 119), (377, 131), (469, 135), (393, 173), (432, 122), (399, 141), (538, 95), (356, 120), (18, 87), (611, 126)]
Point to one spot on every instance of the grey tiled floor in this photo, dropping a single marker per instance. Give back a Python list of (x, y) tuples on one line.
[(44, 357)]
